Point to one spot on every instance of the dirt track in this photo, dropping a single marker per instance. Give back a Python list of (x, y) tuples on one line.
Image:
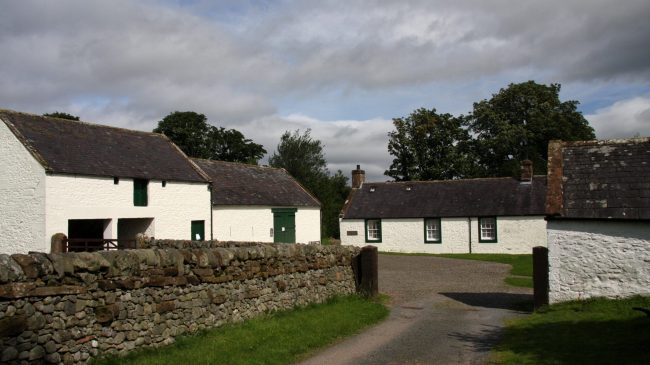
[(443, 311)]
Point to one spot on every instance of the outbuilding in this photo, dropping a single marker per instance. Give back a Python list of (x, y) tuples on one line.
[(94, 183), (260, 204), (598, 212)]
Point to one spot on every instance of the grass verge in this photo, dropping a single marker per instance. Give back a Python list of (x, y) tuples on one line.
[(521, 273), (278, 338), (596, 331)]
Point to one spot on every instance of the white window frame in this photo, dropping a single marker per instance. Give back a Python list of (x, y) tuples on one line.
[(432, 230), (487, 229)]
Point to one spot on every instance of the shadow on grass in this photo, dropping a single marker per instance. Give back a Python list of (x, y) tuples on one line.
[(570, 342), (512, 301)]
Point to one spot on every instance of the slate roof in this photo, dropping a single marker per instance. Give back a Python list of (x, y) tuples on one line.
[(599, 179), (448, 198), (72, 147), (242, 184)]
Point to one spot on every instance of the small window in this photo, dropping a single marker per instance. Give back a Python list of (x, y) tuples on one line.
[(140, 198), (373, 230), (432, 232), (116, 180), (164, 183), (487, 229)]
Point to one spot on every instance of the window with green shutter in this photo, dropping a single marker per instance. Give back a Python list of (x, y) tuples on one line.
[(140, 198), (373, 230)]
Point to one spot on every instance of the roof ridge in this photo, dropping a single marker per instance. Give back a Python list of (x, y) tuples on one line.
[(595, 142), (447, 181), (238, 163), (90, 124)]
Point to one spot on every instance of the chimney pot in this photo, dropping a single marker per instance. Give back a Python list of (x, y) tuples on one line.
[(358, 177), (526, 171)]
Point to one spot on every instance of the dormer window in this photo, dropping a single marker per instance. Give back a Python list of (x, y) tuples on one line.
[(372, 189)]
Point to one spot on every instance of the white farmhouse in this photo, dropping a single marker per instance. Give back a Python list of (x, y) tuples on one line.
[(91, 181), (598, 208), (491, 215), (260, 204)]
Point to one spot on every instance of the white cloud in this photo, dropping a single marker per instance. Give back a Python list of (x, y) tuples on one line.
[(346, 142), (623, 119)]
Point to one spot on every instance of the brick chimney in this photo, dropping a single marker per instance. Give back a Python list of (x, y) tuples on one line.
[(526, 171), (358, 177)]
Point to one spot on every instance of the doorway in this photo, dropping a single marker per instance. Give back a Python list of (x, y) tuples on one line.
[(284, 225)]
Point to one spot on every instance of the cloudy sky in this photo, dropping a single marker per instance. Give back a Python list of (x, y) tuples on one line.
[(341, 68)]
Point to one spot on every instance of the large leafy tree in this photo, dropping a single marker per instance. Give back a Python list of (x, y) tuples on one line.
[(518, 122), (302, 157), (61, 115), (428, 146), (192, 133)]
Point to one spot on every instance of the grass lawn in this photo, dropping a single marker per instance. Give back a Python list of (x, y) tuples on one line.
[(521, 273), (278, 338), (598, 331)]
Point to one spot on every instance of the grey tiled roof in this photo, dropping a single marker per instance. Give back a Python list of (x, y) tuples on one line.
[(448, 198), (242, 184), (72, 147), (599, 179)]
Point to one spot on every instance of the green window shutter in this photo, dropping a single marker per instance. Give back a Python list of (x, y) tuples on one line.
[(140, 198), (373, 230)]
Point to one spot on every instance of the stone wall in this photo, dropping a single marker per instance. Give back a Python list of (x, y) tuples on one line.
[(598, 259), (66, 308)]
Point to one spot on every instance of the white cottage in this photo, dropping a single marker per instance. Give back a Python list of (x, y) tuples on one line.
[(260, 204), (94, 182), (598, 208), (491, 215)]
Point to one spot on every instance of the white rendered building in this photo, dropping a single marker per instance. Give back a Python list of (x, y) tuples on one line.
[(491, 215), (260, 204), (90, 181), (598, 208)]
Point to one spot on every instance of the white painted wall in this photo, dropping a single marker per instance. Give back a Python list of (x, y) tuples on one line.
[(598, 259), (254, 223), (308, 224), (22, 197), (515, 235), (173, 207)]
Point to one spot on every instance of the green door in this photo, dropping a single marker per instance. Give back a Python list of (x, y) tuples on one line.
[(284, 225), (198, 231)]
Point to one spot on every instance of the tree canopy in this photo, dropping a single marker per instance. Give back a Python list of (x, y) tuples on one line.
[(428, 146), (302, 157), (192, 133), (61, 115), (518, 122), (515, 124)]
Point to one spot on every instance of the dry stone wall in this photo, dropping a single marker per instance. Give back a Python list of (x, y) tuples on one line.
[(66, 308)]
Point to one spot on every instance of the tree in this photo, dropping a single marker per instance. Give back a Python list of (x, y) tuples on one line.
[(428, 146), (518, 122), (302, 157), (192, 133), (61, 115)]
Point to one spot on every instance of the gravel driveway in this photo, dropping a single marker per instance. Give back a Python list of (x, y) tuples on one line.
[(443, 311)]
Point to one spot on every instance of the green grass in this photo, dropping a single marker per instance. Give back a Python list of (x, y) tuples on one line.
[(521, 273), (597, 331), (279, 338)]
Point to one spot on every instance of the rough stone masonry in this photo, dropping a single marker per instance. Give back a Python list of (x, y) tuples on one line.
[(66, 308)]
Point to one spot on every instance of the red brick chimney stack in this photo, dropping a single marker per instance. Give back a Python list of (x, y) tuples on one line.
[(526, 171), (358, 177)]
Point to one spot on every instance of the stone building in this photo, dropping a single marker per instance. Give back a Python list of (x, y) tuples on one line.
[(260, 204), (598, 208), (491, 215), (94, 182)]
